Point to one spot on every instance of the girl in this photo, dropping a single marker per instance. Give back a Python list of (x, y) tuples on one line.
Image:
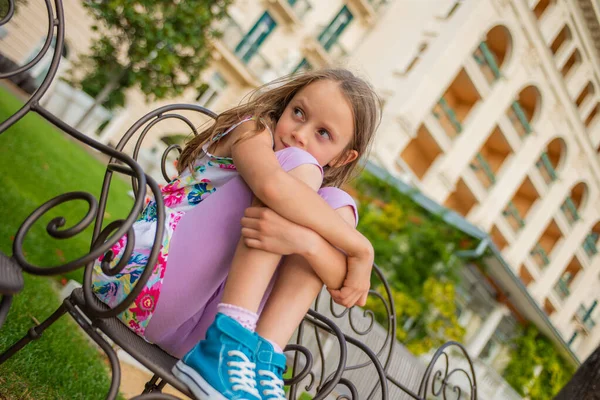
[(318, 124)]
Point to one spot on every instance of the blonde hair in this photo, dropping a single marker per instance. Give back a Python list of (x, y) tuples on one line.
[(268, 102)]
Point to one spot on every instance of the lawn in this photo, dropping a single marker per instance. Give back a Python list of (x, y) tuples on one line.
[(37, 162)]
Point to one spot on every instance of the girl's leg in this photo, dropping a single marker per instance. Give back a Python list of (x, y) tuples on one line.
[(249, 277), (289, 301)]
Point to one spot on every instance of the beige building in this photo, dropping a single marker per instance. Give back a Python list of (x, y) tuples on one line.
[(490, 109)]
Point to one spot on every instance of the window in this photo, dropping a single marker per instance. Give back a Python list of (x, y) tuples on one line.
[(330, 35), (303, 66), (252, 41), (301, 7), (210, 91)]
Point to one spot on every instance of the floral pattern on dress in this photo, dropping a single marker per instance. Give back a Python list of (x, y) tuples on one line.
[(182, 194)]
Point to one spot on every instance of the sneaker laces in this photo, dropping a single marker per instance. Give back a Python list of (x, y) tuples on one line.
[(241, 373), (275, 384)]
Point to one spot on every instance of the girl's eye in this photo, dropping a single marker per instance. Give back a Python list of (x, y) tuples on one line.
[(298, 112), (324, 134)]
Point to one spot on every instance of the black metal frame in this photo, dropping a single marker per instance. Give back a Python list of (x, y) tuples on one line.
[(98, 321)]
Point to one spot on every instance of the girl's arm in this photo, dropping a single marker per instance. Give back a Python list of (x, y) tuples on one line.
[(292, 199), (264, 229)]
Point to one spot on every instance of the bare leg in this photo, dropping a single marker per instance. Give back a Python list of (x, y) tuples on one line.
[(249, 277), (295, 289)]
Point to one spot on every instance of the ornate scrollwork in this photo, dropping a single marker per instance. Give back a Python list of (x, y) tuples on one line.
[(441, 381), (57, 23), (9, 13)]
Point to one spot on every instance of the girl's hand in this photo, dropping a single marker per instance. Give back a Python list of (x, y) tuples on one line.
[(264, 229), (355, 288)]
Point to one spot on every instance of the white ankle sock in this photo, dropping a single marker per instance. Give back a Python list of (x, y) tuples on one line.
[(246, 318)]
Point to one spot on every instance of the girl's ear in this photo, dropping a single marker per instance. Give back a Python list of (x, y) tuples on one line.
[(347, 157)]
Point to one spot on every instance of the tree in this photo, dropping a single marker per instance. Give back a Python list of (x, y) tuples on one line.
[(585, 384), (161, 46), (536, 368), (4, 6)]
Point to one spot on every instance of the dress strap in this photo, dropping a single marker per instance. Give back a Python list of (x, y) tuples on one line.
[(252, 118)]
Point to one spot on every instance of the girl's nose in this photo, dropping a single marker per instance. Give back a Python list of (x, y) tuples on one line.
[(300, 138)]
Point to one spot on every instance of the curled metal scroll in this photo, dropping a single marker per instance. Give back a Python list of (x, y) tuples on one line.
[(326, 324), (308, 364), (151, 119), (163, 161), (351, 387), (382, 356), (443, 376), (10, 12), (57, 23)]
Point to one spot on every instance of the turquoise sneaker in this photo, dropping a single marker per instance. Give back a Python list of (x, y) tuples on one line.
[(221, 367), (270, 367)]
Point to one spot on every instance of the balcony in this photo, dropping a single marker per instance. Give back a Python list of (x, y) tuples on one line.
[(584, 316), (487, 63), (421, 152), (586, 92), (569, 210), (546, 169), (513, 217), (571, 64), (447, 117), (546, 243), (561, 289), (592, 116), (290, 11), (462, 199), (519, 207), (539, 255), (492, 53), (540, 8), (497, 237), (524, 109), (549, 309), (574, 202), (491, 157), (518, 119), (455, 105), (525, 276), (366, 8), (563, 38), (251, 69), (590, 244), (483, 171)]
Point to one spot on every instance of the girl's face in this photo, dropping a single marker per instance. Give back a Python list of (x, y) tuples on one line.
[(319, 120)]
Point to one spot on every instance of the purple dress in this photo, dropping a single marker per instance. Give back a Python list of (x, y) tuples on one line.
[(202, 231)]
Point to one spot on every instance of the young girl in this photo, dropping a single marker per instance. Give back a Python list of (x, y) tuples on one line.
[(318, 123)]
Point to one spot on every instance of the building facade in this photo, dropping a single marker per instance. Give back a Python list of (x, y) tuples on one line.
[(491, 109)]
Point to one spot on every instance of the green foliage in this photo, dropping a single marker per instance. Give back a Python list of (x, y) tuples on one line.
[(4, 6), (161, 46), (38, 163), (415, 249), (534, 351)]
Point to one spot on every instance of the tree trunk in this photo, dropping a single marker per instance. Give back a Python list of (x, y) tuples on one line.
[(102, 96), (585, 383)]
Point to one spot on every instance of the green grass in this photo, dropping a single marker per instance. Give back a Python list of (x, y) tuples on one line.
[(37, 163)]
